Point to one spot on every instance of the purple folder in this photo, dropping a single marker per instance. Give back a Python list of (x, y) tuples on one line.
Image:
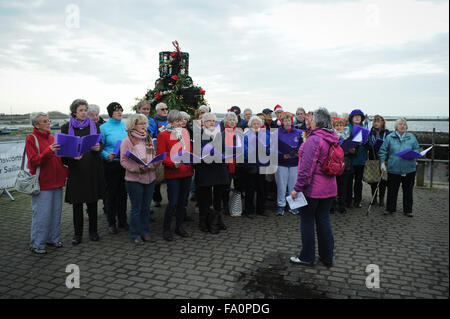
[(409, 154), (157, 158), (286, 148), (365, 133), (348, 144), (117, 148), (74, 146)]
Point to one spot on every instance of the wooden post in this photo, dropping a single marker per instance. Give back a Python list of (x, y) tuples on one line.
[(420, 177), (432, 157)]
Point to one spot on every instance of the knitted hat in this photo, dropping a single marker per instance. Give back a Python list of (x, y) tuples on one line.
[(235, 109), (356, 112), (277, 108), (338, 119), (114, 106)]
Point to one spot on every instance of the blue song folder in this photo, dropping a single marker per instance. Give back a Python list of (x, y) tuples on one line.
[(409, 154), (75, 146)]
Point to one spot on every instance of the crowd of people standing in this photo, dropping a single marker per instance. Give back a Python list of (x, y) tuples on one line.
[(303, 141)]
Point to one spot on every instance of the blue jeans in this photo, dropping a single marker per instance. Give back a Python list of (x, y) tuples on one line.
[(140, 197), (177, 192), (317, 211)]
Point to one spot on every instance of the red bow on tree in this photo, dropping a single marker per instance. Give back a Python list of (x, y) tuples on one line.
[(158, 96), (174, 77), (177, 47), (173, 54), (201, 91)]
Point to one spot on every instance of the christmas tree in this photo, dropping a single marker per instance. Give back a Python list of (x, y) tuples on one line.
[(174, 86)]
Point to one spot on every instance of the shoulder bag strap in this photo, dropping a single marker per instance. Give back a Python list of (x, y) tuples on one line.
[(38, 169)]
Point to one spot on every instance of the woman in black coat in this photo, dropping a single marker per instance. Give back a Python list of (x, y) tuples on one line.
[(85, 183), (211, 177), (378, 131)]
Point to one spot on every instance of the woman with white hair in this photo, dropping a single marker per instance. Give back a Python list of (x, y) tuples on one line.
[(178, 176), (319, 189), (40, 149), (254, 139), (93, 113), (139, 179), (400, 170), (211, 178), (233, 138)]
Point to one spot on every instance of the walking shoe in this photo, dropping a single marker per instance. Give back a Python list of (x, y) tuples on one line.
[(251, 216), (181, 232), (342, 210), (146, 238), (280, 211), (294, 211), (112, 230), (56, 245), (167, 235), (386, 213), (188, 218), (328, 265), (124, 226), (357, 205), (138, 241), (263, 214), (408, 214), (94, 237), (76, 240), (296, 260), (38, 251), (157, 204)]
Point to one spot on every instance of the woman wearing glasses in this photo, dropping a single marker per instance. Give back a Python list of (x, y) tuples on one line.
[(178, 176)]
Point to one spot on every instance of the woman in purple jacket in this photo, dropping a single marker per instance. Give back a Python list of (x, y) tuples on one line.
[(319, 190), (289, 141)]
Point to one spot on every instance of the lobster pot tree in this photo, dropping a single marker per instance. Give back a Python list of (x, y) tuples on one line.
[(174, 86)]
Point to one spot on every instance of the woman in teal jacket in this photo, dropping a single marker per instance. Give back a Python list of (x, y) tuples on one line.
[(400, 171)]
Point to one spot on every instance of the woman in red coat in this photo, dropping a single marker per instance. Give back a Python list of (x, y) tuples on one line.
[(178, 176), (47, 206)]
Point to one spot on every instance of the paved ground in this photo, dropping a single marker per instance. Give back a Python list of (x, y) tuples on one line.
[(249, 260)]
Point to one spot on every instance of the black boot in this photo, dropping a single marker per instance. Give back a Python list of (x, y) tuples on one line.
[(213, 222), (220, 221), (203, 222)]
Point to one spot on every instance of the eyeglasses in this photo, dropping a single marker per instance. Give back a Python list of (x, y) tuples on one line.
[(45, 122), (208, 121), (163, 109)]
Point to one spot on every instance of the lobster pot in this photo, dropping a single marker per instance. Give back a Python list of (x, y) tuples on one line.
[(165, 62)]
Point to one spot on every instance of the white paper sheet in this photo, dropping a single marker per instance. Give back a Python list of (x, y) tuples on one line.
[(358, 138), (299, 201), (426, 151)]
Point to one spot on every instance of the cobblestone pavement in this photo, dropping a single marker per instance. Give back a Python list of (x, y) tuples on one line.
[(249, 260)]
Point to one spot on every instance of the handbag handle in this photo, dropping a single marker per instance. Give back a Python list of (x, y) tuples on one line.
[(38, 169)]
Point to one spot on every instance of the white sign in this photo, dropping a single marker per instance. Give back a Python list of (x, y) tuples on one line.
[(299, 201), (10, 161)]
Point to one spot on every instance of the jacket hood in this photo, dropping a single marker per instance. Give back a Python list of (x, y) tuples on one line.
[(328, 135)]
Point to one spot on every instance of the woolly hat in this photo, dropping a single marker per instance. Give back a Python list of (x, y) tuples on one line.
[(235, 109), (338, 119), (356, 112), (114, 106), (277, 108)]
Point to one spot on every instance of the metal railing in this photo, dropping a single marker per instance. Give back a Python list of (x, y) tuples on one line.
[(432, 160)]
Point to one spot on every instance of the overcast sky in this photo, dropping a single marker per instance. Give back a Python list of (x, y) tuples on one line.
[(382, 56)]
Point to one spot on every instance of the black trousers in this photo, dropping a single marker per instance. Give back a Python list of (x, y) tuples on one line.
[(78, 218), (343, 183), (116, 194), (254, 183), (157, 197), (210, 195), (393, 184), (358, 183), (381, 189)]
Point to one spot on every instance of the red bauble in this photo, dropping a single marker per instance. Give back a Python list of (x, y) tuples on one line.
[(202, 92), (174, 77), (158, 96), (173, 54)]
